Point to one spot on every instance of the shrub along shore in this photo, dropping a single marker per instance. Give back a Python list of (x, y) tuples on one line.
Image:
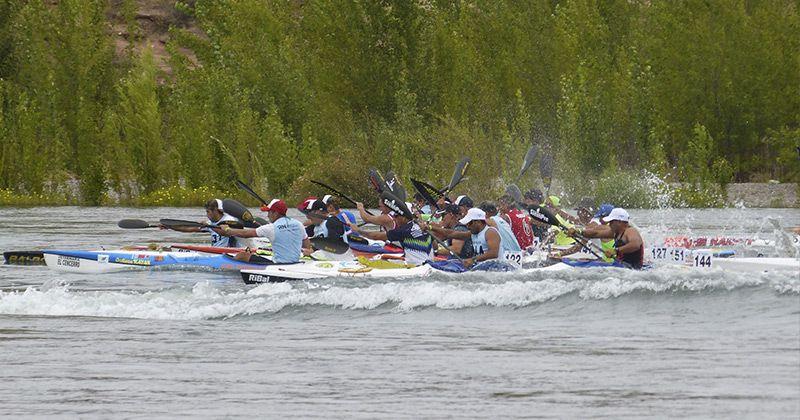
[(624, 95)]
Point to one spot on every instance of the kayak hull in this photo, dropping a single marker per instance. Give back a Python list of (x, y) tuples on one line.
[(94, 262), (326, 269)]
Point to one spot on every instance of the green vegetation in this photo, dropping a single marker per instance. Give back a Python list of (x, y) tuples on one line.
[(278, 92)]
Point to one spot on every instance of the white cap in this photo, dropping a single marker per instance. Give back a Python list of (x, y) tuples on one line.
[(617, 214), (473, 214), (326, 198)]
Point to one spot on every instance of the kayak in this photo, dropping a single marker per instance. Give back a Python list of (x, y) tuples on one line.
[(758, 265), (311, 270), (119, 260), (715, 241), (374, 249)]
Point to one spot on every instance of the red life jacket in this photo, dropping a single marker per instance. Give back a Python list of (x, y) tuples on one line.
[(521, 227)]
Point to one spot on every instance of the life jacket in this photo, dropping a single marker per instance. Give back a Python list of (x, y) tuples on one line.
[(562, 239), (480, 245)]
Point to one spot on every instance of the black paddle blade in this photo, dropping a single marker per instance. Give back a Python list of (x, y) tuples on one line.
[(376, 181), (396, 205), (430, 194), (331, 245), (134, 224), (515, 193), (248, 190), (239, 211), (394, 185), (170, 223), (458, 174), (546, 170), (543, 215), (529, 158)]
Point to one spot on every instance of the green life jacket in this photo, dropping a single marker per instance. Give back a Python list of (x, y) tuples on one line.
[(561, 237)]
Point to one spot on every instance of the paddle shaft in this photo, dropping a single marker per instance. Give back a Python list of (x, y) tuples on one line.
[(337, 192)]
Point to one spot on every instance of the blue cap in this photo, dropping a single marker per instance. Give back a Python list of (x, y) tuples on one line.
[(604, 210)]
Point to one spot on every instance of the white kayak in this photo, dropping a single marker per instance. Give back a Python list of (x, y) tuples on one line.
[(327, 269), (758, 265), (107, 261)]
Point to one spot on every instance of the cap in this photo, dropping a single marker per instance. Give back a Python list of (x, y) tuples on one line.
[(314, 206), (534, 194), (275, 205), (604, 210), (555, 200), (304, 203), (473, 214), (326, 198), (617, 214), (463, 200)]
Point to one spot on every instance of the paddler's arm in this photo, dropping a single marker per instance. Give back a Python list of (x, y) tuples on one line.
[(184, 229), (380, 219), (239, 233), (602, 232), (451, 234), (375, 236), (633, 241)]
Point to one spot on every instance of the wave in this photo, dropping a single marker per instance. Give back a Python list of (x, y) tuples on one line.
[(206, 300)]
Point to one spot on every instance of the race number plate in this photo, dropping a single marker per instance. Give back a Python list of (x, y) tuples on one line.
[(668, 254), (702, 259), (514, 258)]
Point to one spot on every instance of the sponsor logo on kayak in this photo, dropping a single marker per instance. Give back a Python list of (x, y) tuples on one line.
[(258, 278), (132, 261), (102, 259), (325, 265), (65, 261), (159, 258)]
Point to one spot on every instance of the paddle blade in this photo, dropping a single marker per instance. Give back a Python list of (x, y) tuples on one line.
[(134, 224), (395, 204), (529, 158), (376, 181), (248, 190), (543, 215), (515, 193), (170, 223), (394, 185), (458, 173), (331, 245), (430, 194), (546, 170), (239, 211)]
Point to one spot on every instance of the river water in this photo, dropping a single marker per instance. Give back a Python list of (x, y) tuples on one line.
[(596, 343)]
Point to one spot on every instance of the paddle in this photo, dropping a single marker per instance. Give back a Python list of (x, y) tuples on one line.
[(458, 175), (546, 171), (529, 158), (171, 223), (332, 245), (395, 186), (395, 204), (239, 211), (340, 194), (250, 191), (376, 181), (135, 224), (545, 216), (515, 193), (426, 191)]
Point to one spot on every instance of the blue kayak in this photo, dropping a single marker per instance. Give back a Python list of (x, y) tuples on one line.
[(116, 260)]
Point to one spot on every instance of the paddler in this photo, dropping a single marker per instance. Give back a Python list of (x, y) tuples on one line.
[(533, 199), (502, 226), (287, 235), (464, 203), (417, 244), (385, 220), (460, 246), (628, 244), (553, 203), (486, 240), (592, 221), (519, 221), (216, 217), (421, 205), (322, 224)]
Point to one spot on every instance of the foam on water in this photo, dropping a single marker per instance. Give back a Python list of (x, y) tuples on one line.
[(206, 300)]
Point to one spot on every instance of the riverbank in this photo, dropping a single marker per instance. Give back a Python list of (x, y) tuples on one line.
[(751, 195)]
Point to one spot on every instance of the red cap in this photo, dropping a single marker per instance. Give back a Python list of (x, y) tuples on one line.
[(275, 205), (302, 206)]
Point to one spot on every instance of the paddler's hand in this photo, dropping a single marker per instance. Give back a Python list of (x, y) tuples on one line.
[(354, 228), (308, 251), (360, 207), (244, 255), (610, 253), (469, 262), (574, 231)]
